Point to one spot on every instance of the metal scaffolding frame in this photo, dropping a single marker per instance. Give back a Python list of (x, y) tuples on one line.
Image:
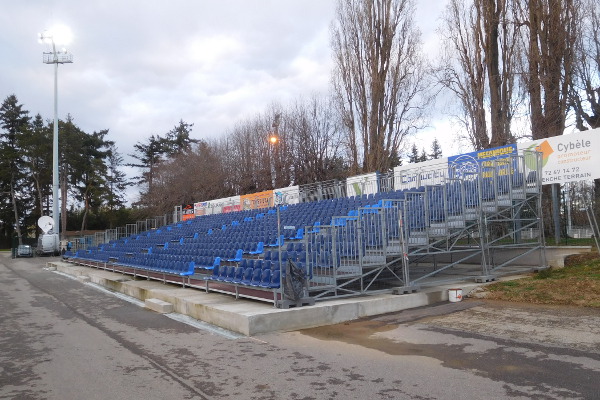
[(460, 227)]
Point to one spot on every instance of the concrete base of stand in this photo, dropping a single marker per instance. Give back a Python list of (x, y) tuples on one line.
[(485, 278), (250, 317), (406, 289), (285, 304)]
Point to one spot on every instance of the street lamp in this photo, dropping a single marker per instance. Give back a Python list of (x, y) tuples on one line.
[(55, 57), (274, 141)]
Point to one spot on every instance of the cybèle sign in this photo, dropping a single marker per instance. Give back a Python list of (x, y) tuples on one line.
[(568, 158)]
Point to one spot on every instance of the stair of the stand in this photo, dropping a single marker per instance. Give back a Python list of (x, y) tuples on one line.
[(439, 229), (417, 238), (348, 271), (489, 206), (373, 259)]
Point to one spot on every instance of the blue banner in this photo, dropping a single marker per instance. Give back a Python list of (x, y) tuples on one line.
[(479, 161)]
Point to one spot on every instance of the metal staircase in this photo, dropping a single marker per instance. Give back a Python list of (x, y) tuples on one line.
[(452, 230)]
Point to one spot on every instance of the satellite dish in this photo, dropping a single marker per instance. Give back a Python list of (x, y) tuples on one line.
[(46, 223)]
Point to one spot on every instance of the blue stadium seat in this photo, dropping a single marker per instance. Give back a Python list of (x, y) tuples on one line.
[(259, 249), (238, 256), (265, 279), (238, 275), (247, 276), (275, 277), (256, 275)]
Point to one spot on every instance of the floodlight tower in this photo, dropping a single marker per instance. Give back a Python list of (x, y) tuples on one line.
[(55, 57)]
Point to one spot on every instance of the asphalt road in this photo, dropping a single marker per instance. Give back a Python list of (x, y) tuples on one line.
[(61, 339)]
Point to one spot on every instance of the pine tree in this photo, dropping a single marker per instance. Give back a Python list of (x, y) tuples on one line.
[(436, 150), (14, 121), (178, 139), (116, 184), (413, 157), (36, 146), (149, 154)]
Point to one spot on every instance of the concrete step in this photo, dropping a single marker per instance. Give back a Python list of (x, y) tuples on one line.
[(159, 306)]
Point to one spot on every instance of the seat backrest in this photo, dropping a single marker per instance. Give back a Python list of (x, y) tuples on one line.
[(231, 271), (238, 274), (256, 275), (239, 254), (224, 272), (275, 277), (265, 278), (247, 276)]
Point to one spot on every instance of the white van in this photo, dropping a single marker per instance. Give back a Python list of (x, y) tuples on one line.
[(48, 244)]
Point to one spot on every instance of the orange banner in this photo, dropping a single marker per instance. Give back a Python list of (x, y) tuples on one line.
[(257, 200)]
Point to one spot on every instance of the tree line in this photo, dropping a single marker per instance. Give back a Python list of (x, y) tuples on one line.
[(508, 69), (91, 182)]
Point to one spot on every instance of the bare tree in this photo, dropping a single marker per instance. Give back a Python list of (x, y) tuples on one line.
[(480, 48), (548, 61), (316, 137), (501, 46), (585, 93), (379, 78), (462, 69), (249, 156), (192, 175)]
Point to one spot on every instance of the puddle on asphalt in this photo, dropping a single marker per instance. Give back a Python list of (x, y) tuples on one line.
[(497, 361), (364, 333)]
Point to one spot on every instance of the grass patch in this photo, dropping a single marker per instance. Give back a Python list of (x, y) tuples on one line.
[(577, 284)]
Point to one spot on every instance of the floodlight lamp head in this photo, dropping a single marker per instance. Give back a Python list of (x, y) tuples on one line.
[(58, 35), (45, 37), (62, 35), (273, 139)]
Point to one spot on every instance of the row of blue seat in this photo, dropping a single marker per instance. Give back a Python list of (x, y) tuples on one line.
[(257, 277)]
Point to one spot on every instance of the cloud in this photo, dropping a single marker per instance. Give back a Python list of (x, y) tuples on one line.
[(141, 66)]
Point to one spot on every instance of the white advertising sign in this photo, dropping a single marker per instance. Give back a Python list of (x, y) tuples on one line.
[(424, 173), (287, 195), (568, 158), (362, 184)]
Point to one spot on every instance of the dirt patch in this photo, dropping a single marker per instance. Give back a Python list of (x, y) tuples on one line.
[(577, 284), (407, 332), (371, 332), (577, 259)]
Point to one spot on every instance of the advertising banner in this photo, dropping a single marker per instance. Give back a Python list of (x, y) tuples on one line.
[(257, 200), (568, 158), (287, 195), (231, 208), (429, 172), (187, 212), (200, 208), (362, 184), (480, 160)]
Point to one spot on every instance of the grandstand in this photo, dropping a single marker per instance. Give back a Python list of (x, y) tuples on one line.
[(464, 220)]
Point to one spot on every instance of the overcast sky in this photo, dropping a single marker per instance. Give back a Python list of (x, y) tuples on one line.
[(141, 66)]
